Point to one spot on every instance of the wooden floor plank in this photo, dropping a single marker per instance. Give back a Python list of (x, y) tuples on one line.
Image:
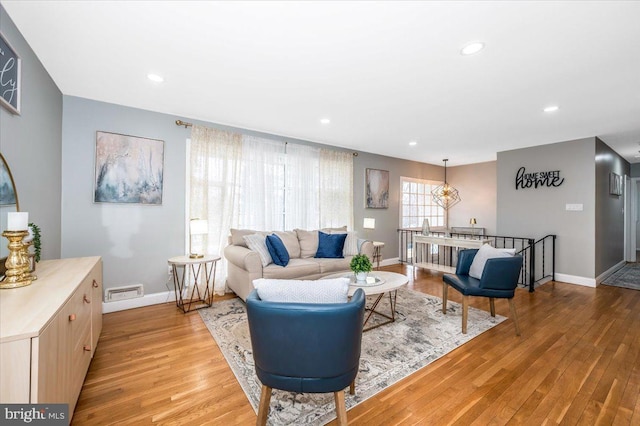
[(576, 362)]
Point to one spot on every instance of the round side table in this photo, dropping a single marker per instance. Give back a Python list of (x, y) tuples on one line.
[(188, 272)]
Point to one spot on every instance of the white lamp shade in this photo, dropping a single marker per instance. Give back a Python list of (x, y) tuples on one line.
[(369, 223), (198, 226)]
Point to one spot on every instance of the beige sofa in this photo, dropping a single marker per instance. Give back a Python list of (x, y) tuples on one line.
[(245, 265)]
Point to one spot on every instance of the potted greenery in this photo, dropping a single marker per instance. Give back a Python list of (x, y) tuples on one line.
[(361, 266), (34, 233)]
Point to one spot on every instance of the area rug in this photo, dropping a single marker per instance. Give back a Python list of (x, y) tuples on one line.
[(420, 335), (628, 277)]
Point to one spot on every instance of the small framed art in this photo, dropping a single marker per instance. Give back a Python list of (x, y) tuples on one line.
[(377, 189)]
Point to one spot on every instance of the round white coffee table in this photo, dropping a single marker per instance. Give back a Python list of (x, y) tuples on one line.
[(385, 282)]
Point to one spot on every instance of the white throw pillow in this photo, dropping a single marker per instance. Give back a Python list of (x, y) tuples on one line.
[(484, 253), (257, 243), (350, 244), (303, 291)]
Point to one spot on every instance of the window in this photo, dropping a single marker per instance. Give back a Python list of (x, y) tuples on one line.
[(417, 203), (243, 181)]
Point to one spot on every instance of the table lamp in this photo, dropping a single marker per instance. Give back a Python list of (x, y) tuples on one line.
[(197, 227), (369, 223)]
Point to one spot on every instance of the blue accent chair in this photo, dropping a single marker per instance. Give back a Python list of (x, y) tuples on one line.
[(498, 281), (303, 347)]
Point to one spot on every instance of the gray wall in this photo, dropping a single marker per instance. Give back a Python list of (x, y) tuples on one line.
[(387, 220), (476, 184), (537, 212), (135, 241), (31, 142), (609, 249), (635, 170)]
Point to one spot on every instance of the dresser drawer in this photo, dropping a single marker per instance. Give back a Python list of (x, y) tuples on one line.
[(80, 359), (78, 311)]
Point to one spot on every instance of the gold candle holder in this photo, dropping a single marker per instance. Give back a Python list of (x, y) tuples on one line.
[(16, 263), (27, 269)]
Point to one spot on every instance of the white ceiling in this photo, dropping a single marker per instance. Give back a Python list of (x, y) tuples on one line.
[(385, 73)]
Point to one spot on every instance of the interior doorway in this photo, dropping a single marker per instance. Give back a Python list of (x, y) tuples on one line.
[(632, 219)]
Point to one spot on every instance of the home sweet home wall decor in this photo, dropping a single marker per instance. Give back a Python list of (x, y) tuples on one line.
[(526, 180)]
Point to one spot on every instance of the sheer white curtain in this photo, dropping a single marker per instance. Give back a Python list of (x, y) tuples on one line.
[(215, 166), (244, 181), (336, 188), (262, 184), (302, 198)]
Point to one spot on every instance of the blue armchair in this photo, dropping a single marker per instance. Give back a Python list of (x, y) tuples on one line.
[(499, 280), (301, 347)]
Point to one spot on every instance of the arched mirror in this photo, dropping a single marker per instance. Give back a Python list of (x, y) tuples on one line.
[(8, 203)]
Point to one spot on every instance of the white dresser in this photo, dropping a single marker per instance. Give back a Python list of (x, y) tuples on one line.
[(49, 332)]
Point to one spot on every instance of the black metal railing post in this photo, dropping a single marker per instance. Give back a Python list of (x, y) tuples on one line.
[(553, 257), (532, 264)]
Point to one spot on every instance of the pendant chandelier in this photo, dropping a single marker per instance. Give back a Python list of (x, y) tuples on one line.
[(445, 195)]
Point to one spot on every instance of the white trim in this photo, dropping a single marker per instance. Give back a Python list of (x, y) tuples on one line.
[(610, 271), (631, 219), (187, 195), (574, 279), (146, 300), (387, 262)]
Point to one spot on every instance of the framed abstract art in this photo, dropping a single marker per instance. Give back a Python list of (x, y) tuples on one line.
[(376, 189), (128, 169)]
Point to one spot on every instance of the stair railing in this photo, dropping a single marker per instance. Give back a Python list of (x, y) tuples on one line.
[(530, 249)]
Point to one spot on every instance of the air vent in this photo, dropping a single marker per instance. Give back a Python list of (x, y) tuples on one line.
[(123, 293)]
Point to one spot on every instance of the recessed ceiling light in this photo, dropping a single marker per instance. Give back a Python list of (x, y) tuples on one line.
[(472, 48), (413, 143), (552, 108), (325, 121), (155, 77)]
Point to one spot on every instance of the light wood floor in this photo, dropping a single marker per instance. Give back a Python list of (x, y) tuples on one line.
[(577, 362)]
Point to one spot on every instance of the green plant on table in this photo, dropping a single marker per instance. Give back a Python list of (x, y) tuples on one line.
[(37, 244), (360, 263)]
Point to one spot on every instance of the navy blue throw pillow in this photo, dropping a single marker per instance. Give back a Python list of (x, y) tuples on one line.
[(277, 250), (330, 245)]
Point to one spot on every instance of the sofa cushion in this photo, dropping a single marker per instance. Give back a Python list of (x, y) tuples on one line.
[(330, 245), (237, 236), (303, 291), (308, 243), (257, 243), (350, 244), (328, 266), (295, 269), (277, 250), (290, 241), (484, 253)]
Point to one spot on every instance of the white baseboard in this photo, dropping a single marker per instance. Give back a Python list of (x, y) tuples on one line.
[(589, 282), (139, 302), (387, 262), (610, 271), (575, 279)]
